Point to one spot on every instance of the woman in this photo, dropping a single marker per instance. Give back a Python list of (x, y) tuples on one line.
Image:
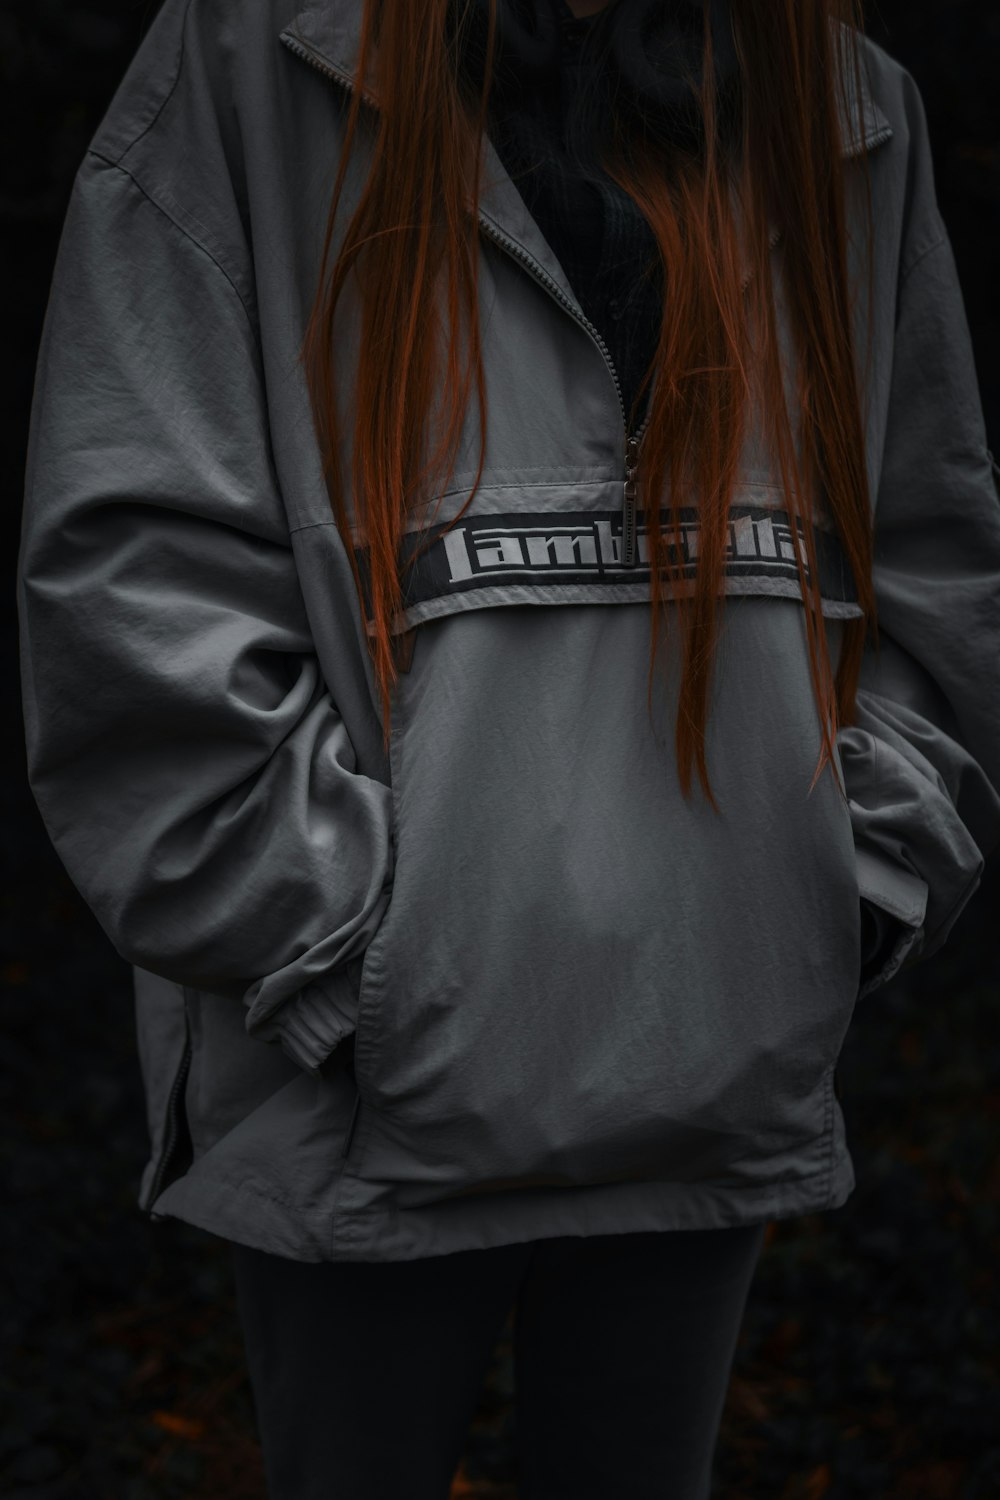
[(363, 683)]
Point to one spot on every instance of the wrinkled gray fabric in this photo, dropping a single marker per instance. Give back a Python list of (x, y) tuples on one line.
[(578, 1003)]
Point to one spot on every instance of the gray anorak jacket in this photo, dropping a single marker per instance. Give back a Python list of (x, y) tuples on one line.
[(578, 1003)]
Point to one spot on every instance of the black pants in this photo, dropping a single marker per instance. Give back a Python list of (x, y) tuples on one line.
[(365, 1376)]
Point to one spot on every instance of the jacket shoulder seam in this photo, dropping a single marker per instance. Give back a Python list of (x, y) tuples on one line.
[(173, 82), (181, 229)]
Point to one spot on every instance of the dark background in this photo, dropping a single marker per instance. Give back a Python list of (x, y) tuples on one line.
[(867, 1360)]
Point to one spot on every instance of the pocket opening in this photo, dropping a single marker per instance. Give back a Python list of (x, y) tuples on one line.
[(177, 1152)]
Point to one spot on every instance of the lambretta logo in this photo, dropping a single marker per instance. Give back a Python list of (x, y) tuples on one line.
[(478, 549), (581, 551)]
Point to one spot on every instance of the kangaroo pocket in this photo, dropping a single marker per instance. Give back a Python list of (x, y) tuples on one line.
[(582, 977)]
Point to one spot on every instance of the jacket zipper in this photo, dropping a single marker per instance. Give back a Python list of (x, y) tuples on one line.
[(172, 1130), (632, 440)]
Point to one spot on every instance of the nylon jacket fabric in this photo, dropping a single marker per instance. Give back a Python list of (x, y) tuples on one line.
[(576, 1002)]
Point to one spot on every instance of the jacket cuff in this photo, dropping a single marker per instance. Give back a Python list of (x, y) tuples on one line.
[(897, 900), (312, 1023)]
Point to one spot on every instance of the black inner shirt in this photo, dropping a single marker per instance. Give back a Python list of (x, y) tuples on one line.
[(600, 239)]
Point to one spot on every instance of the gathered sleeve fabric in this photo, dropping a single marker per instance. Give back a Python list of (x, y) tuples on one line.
[(192, 771), (922, 760)]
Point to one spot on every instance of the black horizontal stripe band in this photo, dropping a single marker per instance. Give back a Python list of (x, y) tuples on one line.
[(572, 547)]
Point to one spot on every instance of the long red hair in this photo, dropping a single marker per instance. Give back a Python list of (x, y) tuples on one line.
[(718, 343)]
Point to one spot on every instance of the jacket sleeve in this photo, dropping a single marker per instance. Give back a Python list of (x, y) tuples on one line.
[(193, 774), (922, 760)]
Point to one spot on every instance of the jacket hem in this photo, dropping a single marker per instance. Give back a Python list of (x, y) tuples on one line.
[(261, 1221)]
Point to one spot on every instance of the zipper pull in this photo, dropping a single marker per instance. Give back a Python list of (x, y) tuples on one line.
[(628, 503)]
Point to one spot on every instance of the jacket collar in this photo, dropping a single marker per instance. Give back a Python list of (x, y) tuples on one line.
[(333, 32), (329, 33)]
